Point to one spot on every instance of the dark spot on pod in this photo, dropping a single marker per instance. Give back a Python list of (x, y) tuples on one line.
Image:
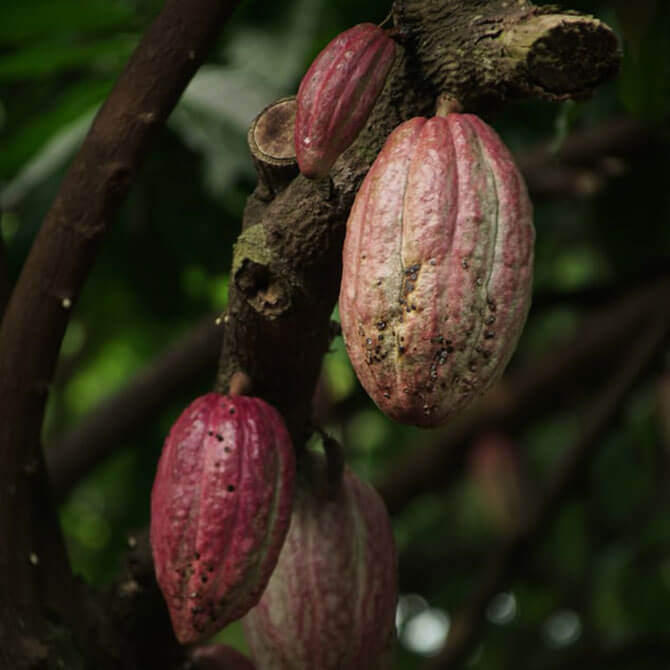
[(210, 433), (217, 464), (387, 394), (231, 488), (197, 610), (381, 325), (401, 350), (472, 366), (450, 349), (196, 555), (227, 449), (203, 579), (491, 304), (488, 334), (465, 265), (219, 437), (380, 338), (210, 568), (490, 320), (231, 409)]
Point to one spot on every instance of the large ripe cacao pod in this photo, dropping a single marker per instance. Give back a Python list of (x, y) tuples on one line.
[(330, 603), (337, 94), (220, 509), (437, 268)]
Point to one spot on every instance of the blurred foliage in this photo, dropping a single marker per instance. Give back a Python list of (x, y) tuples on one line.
[(602, 572)]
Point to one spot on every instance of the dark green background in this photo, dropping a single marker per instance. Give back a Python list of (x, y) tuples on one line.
[(601, 574)]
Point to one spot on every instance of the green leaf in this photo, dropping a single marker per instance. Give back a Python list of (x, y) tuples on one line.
[(25, 20), (49, 58), (73, 102)]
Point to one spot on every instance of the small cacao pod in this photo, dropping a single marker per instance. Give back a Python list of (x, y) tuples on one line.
[(330, 603), (437, 268), (220, 509), (337, 94), (496, 473)]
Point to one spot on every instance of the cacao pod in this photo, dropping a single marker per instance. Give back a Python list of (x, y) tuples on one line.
[(337, 94), (496, 473), (220, 509), (330, 603), (437, 268)]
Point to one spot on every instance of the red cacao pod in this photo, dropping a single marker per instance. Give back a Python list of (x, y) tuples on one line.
[(337, 94), (437, 268), (330, 603), (220, 509)]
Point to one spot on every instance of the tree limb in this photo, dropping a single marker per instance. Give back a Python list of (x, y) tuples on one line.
[(48, 287), (287, 263), (508, 560)]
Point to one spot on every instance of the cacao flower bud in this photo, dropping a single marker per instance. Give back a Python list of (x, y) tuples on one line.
[(437, 268), (220, 508), (337, 94), (330, 603)]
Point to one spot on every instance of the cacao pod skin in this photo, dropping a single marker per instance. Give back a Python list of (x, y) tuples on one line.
[(337, 94), (330, 603), (220, 509), (437, 268)]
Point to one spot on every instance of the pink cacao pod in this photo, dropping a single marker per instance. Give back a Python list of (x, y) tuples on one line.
[(220, 509), (330, 603), (437, 268), (337, 94)]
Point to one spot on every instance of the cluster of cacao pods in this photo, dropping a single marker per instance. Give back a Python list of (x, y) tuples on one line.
[(438, 256), (226, 518), (437, 268)]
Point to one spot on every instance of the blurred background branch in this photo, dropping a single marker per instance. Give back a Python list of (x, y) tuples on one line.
[(509, 559)]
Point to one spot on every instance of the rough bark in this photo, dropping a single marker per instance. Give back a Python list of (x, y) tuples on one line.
[(35, 580)]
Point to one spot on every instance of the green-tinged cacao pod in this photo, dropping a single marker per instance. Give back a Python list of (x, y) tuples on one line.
[(220, 509), (437, 268), (337, 94), (330, 603)]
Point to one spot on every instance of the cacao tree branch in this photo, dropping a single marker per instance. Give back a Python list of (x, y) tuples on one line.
[(518, 396), (509, 559), (48, 287), (286, 268), (5, 287)]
